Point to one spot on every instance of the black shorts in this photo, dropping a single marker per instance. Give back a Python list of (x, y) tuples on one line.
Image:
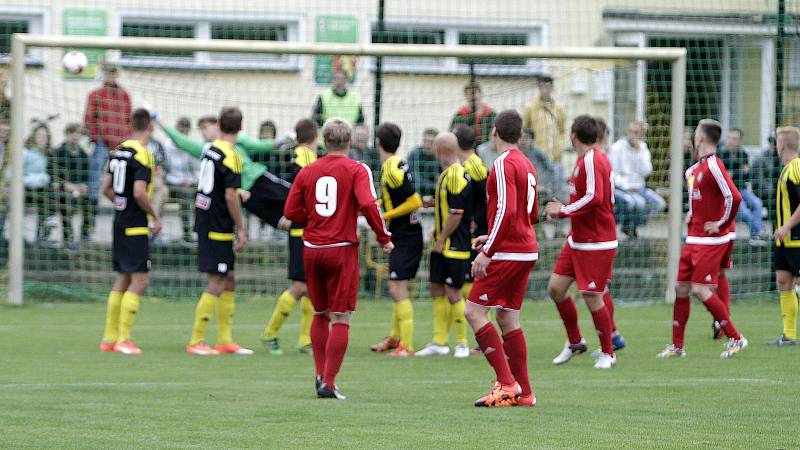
[(787, 259), (451, 272), (130, 254), (214, 256), (404, 259), (296, 270), (267, 198)]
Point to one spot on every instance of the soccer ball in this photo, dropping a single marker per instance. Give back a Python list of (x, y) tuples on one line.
[(74, 62)]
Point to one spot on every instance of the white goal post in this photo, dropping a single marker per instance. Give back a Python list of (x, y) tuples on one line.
[(21, 42)]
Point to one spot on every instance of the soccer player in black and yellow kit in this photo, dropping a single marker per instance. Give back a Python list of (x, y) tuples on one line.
[(218, 213), (400, 201), (128, 184), (451, 251), (304, 154), (787, 232)]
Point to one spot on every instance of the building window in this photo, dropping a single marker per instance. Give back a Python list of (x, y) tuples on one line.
[(443, 32), (7, 28), (208, 27), (20, 20)]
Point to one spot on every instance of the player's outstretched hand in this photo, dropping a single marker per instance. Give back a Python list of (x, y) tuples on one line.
[(284, 223), (155, 226), (711, 227), (552, 209), (480, 265), (479, 241), (241, 239), (780, 233), (388, 247)]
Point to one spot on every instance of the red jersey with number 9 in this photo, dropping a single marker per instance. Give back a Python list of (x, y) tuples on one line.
[(327, 195), (512, 208)]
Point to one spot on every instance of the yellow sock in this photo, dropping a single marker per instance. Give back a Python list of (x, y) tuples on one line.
[(129, 306), (395, 333), (789, 313), (283, 308), (441, 319), (112, 317), (405, 320), (202, 315), (465, 289), (226, 304), (458, 321), (307, 315)]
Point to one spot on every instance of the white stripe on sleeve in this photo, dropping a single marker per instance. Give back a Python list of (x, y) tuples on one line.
[(588, 164), (723, 187), (500, 174)]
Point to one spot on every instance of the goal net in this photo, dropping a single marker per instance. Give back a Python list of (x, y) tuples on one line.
[(66, 227)]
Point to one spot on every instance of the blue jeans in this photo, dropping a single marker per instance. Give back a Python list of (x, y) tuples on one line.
[(750, 211), (633, 206)]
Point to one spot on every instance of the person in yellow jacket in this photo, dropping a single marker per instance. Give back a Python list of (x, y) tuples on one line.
[(339, 102), (547, 120)]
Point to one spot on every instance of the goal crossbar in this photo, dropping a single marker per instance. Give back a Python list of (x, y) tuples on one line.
[(21, 42)]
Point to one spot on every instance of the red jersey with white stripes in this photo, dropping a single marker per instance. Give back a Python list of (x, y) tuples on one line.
[(512, 208), (328, 195), (591, 203), (712, 198)]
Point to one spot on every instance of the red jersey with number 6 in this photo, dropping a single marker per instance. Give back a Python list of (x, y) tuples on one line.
[(591, 203), (512, 208), (327, 195)]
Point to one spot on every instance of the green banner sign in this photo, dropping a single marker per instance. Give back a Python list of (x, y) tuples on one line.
[(85, 22), (340, 29)]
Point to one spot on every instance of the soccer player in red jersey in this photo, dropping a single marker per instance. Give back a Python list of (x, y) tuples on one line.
[(501, 268), (327, 196), (713, 203), (588, 255)]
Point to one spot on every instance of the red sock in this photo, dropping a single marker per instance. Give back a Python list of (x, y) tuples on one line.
[(334, 352), (609, 302), (517, 352), (680, 315), (602, 323), (717, 309), (569, 315), (492, 348), (319, 339), (724, 292)]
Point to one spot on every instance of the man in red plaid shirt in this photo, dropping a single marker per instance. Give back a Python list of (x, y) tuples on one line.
[(108, 111)]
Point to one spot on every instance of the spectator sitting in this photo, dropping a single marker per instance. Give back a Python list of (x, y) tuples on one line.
[(181, 178), (338, 101), (423, 164), (69, 172), (35, 177), (764, 175), (630, 160), (737, 162), (475, 111), (360, 149)]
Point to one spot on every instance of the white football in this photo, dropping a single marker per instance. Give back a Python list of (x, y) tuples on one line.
[(74, 62)]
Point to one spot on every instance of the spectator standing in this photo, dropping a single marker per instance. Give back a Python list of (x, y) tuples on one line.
[(547, 120), (339, 102), (181, 178), (423, 164), (361, 151), (764, 175), (632, 164), (35, 177), (737, 161), (69, 173), (475, 114)]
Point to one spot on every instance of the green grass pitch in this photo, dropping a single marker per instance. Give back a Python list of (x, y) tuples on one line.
[(58, 390)]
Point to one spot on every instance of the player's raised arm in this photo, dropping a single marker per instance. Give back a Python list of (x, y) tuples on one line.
[(182, 141), (364, 190), (295, 208), (506, 206)]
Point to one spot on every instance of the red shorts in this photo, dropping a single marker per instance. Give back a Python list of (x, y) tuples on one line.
[(591, 269), (700, 264), (332, 278), (504, 285), (727, 263)]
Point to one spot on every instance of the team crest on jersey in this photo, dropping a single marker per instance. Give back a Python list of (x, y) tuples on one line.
[(120, 203), (203, 202)]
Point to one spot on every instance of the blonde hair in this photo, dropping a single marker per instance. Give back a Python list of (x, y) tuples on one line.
[(790, 135), (336, 133)]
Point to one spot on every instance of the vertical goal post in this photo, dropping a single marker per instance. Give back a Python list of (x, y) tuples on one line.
[(21, 42)]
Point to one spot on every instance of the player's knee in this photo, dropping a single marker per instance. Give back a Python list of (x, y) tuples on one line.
[(701, 292), (784, 281), (682, 290), (555, 292), (230, 282)]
